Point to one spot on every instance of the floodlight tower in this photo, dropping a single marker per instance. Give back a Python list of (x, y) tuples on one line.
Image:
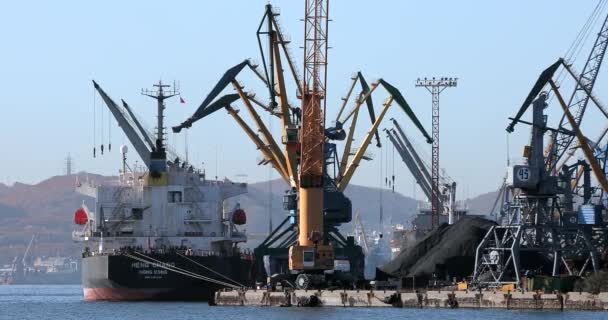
[(435, 87)]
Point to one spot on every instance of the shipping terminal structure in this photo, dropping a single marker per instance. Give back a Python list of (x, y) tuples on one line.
[(167, 232), (162, 232)]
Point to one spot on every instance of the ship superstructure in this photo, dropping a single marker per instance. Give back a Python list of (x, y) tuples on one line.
[(180, 208)]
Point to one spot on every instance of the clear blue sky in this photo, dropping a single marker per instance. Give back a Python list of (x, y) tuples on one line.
[(51, 51)]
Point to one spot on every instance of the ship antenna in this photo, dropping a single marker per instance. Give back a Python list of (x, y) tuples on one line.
[(160, 93)]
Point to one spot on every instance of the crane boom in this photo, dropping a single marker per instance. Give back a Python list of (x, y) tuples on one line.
[(142, 130), (354, 163), (579, 98), (290, 154), (410, 163), (263, 147), (349, 141), (413, 151), (599, 173), (141, 147)]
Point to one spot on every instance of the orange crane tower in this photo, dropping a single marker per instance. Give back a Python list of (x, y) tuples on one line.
[(310, 253)]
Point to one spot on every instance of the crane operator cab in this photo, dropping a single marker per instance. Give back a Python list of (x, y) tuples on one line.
[(315, 257)]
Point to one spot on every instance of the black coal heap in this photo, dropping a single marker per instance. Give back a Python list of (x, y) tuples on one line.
[(447, 251)]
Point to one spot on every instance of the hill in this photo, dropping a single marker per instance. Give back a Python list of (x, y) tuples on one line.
[(395, 207), (47, 208), (482, 204)]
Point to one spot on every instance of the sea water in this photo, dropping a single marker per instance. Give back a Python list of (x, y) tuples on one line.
[(25, 302)]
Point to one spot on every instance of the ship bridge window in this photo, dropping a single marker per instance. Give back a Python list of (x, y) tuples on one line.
[(175, 196)]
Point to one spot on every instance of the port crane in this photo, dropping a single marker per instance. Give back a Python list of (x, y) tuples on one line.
[(420, 171), (308, 241), (548, 212), (541, 218)]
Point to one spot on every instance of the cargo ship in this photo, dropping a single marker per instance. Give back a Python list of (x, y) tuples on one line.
[(163, 231)]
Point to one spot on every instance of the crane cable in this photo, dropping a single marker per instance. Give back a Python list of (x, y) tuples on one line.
[(583, 34), (109, 133), (101, 124), (164, 265), (213, 271), (94, 123), (577, 45), (393, 169)]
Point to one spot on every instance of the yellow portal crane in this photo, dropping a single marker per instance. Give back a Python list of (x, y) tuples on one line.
[(315, 202)]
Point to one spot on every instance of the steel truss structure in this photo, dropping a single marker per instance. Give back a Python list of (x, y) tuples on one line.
[(536, 230), (541, 231), (435, 87)]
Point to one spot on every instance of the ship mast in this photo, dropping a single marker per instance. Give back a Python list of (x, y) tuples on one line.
[(160, 93)]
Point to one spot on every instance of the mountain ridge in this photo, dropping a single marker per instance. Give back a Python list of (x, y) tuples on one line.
[(46, 209)]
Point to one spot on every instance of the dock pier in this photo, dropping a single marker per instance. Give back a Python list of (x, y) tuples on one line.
[(429, 299)]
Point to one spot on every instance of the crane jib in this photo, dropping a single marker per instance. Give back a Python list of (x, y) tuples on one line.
[(398, 97), (543, 79)]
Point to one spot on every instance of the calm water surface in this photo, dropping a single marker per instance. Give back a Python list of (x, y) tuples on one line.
[(65, 302)]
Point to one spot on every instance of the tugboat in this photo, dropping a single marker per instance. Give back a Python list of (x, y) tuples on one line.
[(161, 232)]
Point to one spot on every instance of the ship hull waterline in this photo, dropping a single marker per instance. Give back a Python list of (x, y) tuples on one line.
[(121, 278)]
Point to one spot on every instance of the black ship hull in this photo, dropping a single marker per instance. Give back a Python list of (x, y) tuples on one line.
[(122, 278)]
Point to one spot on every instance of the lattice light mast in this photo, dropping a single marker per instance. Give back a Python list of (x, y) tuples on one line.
[(435, 86), (310, 253)]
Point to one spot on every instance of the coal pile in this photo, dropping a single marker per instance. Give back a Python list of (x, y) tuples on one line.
[(446, 252)]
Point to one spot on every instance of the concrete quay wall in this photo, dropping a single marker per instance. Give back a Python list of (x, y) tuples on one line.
[(428, 299)]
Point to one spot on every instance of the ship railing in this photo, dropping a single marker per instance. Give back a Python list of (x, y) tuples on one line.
[(244, 254)]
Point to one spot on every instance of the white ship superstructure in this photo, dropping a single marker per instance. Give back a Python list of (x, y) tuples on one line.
[(183, 210)]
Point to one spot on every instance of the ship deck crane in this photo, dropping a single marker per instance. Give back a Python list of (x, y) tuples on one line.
[(146, 144), (130, 125)]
